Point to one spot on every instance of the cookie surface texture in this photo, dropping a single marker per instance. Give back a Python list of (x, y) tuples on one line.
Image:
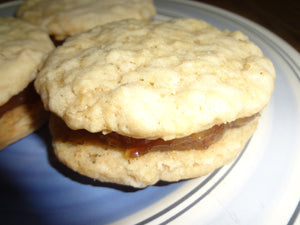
[(24, 48), (84, 153), (159, 79), (63, 18)]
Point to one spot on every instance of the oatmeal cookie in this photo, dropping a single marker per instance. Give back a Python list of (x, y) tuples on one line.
[(24, 48), (64, 18)]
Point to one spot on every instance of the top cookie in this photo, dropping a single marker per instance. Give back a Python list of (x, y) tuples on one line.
[(159, 79), (63, 18), (24, 48)]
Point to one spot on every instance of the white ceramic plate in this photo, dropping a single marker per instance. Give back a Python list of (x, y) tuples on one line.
[(261, 187)]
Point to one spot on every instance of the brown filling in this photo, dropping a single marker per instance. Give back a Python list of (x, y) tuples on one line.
[(202, 140), (27, 96)]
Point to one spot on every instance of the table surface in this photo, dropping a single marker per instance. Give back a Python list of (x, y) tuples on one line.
[(280, 17)]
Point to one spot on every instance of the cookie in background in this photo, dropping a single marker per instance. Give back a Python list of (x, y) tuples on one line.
[(64, 18), (24, 49)]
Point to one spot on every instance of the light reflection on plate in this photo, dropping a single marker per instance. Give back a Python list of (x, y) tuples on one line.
[(260, 187)]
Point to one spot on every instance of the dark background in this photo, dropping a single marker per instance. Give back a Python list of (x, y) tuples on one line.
[(281, 17)]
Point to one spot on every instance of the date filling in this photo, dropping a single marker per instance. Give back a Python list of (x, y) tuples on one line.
[(200, 141), (27, 96)]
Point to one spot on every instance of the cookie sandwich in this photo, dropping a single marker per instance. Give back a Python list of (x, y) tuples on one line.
[(24, 48), (64, 18), (135, 102)]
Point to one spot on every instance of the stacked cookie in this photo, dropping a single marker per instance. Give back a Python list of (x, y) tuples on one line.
[(136, 101), (24, 48)]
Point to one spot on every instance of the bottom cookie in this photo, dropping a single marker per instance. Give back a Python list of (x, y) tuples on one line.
[(86, 154)]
